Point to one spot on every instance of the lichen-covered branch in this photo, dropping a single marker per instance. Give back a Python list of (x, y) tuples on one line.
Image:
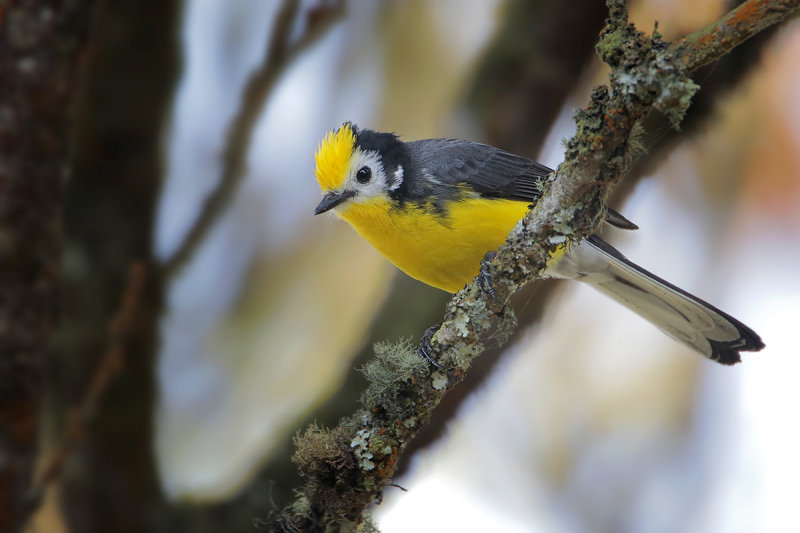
[(348, 467), (715, 40)]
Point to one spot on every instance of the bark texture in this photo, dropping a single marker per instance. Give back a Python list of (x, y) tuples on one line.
[(40, 48)]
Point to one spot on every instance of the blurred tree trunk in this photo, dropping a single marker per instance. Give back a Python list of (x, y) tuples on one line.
[(40, 46), (110, 481), (534, 63)]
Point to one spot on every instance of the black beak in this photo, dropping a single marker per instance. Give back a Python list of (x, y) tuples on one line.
[(331, 200)]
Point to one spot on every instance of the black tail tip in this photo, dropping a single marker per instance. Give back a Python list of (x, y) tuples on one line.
[(727, 353)]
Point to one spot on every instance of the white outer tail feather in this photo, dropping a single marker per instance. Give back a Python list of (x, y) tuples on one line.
[(680, 315)]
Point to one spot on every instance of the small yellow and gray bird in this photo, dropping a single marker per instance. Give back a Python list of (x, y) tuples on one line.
[(435, 207)]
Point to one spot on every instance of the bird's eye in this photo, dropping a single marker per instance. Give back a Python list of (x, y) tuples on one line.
[(363, 175)]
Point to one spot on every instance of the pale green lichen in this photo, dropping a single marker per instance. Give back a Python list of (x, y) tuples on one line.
[(360, 445), (635, 148), (438, 381), (393, 365), (464, 353), (561, 225), (461, 323), (651, 74), (675, 99)]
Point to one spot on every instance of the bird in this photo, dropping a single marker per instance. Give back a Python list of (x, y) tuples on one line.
[(436, 207)]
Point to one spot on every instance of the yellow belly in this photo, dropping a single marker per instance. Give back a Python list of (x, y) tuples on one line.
[(443, 250)]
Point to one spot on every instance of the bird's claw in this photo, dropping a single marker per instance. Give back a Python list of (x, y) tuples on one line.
[(425, 350), (485, 277)]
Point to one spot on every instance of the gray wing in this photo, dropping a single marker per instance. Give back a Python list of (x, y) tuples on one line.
[(488, 170)]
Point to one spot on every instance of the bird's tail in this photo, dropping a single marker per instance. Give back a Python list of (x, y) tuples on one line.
[(680, 315)]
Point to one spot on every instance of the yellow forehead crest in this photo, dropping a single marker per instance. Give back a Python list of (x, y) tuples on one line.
[(333, 157)]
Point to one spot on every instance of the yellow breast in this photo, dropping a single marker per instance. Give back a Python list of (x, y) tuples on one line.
[(440, 249)]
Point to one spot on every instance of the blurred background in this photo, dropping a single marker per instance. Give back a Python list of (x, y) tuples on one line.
[(588, 420)]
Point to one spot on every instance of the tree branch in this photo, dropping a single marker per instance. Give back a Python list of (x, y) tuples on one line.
[(279, 55), (348, 467), (716, 40)]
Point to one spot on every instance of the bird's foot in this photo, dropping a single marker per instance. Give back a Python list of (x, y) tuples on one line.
[(425, 349), (485, 277)]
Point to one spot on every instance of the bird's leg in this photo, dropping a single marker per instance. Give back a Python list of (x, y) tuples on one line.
[(485, 277), (425, 349)]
